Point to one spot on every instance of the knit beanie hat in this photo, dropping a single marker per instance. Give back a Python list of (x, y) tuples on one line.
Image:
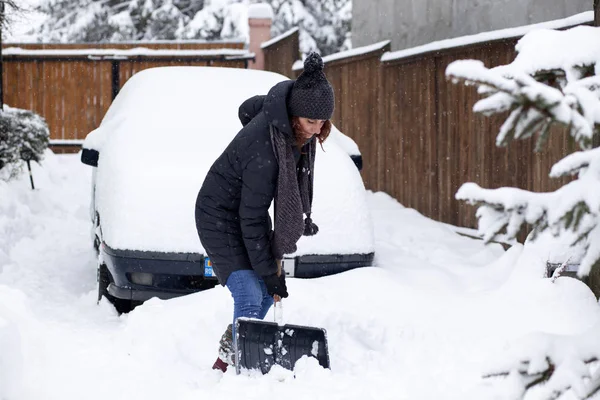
[(312, 95)]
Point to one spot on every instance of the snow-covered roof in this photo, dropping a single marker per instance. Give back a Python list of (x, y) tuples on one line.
[(578, 19), (125, 53), (278, 38), (298, 65), (260, 10)]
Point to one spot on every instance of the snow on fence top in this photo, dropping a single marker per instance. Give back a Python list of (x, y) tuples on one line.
[(298, 65), (509, 33), (261, 10), (124, 53), (237, 40), (278, 38)]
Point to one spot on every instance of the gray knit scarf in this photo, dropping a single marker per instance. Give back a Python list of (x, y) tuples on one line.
[(293, 195)]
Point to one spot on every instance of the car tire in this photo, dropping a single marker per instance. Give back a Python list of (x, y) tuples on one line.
[(123, 306), (97, 245)]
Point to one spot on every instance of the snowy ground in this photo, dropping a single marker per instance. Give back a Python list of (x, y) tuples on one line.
[(421, 324)]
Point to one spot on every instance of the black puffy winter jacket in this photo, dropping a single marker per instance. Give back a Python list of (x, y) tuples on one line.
[(232, 206)]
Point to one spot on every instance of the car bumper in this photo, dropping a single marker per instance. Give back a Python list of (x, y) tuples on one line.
[(314, 266), (136, 293), (180, 274), (171, 274)]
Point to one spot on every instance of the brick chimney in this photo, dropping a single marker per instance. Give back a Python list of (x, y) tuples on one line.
[(260, 17)]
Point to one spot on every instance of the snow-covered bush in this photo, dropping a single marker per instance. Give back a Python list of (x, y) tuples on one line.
[(554, 80), (24, 136)]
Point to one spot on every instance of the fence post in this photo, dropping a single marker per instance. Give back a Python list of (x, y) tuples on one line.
[(116, 78), (282, 52)]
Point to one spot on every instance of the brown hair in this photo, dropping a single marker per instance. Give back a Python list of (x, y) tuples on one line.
[(321, 137)]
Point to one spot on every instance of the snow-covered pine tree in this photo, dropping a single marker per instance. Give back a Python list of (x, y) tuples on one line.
[(113, 20), (325, 25), (554, 80), (24, 136)]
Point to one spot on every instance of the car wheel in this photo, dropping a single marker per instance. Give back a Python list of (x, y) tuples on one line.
[(122, 306), (103, 281), (95, 233), (97, 245)]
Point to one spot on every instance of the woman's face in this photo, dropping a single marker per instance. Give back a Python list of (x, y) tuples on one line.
[(308, 128)]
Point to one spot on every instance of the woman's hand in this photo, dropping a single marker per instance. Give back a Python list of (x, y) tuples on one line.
[(276, 285)]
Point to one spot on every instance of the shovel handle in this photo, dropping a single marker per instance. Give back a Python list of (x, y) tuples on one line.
[(278, 311), (277, 299)]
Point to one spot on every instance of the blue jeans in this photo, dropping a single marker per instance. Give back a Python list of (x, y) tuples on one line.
[(250, 296)]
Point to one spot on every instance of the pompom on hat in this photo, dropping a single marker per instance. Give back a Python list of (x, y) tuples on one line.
[(312, 96)]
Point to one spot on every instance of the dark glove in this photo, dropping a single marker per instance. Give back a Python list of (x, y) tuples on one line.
[(276, 285)]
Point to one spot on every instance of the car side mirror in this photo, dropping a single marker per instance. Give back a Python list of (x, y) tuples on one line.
[(90, 157), (357, 161)]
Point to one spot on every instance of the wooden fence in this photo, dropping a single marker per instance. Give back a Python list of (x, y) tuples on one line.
[(431, 142), (418, 135), (72, 85), (281, 52)]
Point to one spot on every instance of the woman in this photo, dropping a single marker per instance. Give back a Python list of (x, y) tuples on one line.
[(270, 159)]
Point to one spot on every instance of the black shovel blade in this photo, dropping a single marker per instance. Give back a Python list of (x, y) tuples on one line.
[(260, 345)]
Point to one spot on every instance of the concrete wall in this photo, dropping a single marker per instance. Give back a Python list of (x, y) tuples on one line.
[(409, 23)]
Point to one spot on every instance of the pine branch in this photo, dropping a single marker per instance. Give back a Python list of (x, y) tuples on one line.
[(531, 380), (558, 271), (528, 94)]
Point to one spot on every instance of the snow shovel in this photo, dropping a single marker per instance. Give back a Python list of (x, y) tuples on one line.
[(260, 344)]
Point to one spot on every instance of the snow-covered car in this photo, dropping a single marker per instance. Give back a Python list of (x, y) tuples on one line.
[(151, 153)]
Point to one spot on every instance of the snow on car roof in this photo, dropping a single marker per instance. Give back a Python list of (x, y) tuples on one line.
[(160, 137)]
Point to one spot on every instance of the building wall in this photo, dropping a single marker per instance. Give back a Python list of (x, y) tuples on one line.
[(409, 23)]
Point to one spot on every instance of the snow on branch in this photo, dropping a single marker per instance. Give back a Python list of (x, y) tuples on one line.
[(575, 163), (534, 105), (574, 207), (562, 363)]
